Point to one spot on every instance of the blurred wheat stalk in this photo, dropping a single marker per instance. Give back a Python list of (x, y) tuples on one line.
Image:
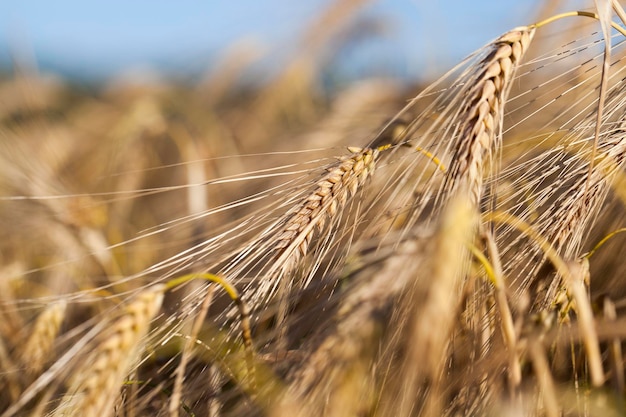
[(461, 255)]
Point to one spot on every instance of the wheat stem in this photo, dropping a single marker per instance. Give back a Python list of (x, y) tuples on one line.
[(506, 317), (574, 283)]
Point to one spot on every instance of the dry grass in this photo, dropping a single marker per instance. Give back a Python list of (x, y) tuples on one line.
[(446, 263)]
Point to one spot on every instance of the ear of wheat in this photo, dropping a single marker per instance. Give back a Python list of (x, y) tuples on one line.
[(565, 208), (479, 133), (273, 256), (454, 132), (38, 348), (332, 193), (97, 382)]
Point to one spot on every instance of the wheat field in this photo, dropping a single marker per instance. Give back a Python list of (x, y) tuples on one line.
[(455, 248)]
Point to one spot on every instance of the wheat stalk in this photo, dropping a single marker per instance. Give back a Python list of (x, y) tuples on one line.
[(96, 385), (434, 320)]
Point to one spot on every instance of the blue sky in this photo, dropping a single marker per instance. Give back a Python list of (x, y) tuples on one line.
[(100, 39)]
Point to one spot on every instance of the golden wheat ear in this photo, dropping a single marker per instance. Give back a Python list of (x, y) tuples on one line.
[(96, 384), (273, 257), (317, 213), (332, 193), (483, 109), (38, 348), (455, 128)]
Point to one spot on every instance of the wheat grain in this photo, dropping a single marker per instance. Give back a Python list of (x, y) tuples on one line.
[(38, 347), (455, 128), (292, 242), (271, 256), (96, 384)]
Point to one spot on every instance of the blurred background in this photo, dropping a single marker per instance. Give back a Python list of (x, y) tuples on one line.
[(142, 40)]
